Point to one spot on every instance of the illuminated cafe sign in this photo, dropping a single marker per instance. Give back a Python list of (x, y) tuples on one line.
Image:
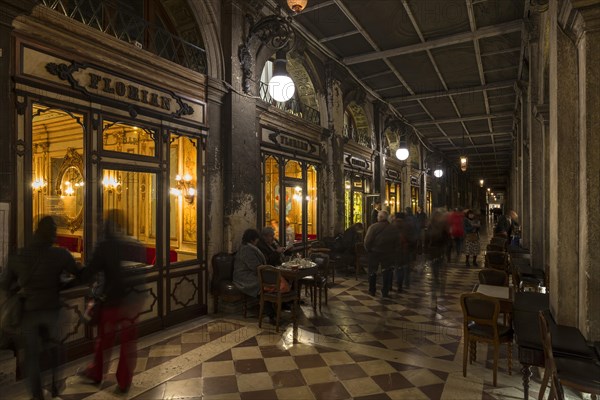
[(102, 84), (357, 162), (290, 142), (392, 174)]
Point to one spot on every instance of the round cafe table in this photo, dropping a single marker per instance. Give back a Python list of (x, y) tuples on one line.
[(293, 271)]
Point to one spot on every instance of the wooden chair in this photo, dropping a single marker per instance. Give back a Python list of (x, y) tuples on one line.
[(320, 279), (269, 279), (579, 374), (480, 324), (494, 277), (497, 260), (326, 250)]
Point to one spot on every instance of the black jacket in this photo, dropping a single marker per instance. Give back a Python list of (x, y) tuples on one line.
[(37, 269)]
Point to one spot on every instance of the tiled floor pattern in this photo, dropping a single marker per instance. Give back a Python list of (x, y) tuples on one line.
[(358, 346)]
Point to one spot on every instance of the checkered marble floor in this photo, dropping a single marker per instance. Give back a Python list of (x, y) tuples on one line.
[(356, 347)]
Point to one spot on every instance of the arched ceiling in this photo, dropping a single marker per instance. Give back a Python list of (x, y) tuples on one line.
[(449, 67)]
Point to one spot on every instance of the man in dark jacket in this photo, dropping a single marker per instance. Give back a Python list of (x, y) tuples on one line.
[(269, 246), (381, 242), (37, 269)]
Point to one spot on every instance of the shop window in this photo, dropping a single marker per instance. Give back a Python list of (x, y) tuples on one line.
[(293, 169), (355, 189), (311, 202), (348, 203), (183, 181), (134, 196), (414, 198), (290, 200), (128, 139), (272, 193), (57, 174)]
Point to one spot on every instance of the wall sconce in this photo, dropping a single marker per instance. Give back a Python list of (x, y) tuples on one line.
[(111, 183), (281, 86), (273, 31), (39, 184), (297, 5), (481, 183), (464, 161), (185, 187)]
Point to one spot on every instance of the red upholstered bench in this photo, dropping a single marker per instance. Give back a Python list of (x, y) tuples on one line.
[(70, 242), (151, 255)]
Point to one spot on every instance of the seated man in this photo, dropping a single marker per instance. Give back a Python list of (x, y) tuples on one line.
[(269, 246)]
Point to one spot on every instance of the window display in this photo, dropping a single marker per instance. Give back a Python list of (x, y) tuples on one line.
[(290, 198)]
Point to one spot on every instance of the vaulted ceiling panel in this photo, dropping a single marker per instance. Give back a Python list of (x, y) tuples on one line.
[(417, 70), (451, 60), (492, 12), (389, 13), (470, 103), (440, 107), (457, 74), (438, 18)]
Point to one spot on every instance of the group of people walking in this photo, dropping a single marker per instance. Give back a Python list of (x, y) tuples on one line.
[(35, 273)]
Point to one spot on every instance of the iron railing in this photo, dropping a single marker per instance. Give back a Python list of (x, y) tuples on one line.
[(133, 29), (291, 106)]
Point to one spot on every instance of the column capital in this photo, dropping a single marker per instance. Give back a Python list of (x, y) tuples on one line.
[(579, 17)]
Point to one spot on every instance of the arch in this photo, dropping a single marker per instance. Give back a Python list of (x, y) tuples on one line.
[(305, 88), (358, 127), (207, 23)]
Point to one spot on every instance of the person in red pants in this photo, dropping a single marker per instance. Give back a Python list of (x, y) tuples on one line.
[(118, 310)]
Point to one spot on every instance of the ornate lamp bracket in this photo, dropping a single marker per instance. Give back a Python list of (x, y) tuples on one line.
[(273, 31)]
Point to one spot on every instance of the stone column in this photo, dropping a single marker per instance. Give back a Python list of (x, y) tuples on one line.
[(536, 148), (335, 163), (525, 218), (240, 142), (564, 173), (587, 31), (542, 115)]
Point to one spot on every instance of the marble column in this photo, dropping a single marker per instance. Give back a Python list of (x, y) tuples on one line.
[(335, 163), (586, 28), (564, 173), (240, 142), (525, 217), (536, 148)]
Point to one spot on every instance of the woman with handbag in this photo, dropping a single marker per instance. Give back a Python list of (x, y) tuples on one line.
[(117, 309), (472, 246), (37, 269)]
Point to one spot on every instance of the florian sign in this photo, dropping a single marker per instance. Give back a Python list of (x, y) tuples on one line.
[(100, 84), (353, 162), (289, 142)]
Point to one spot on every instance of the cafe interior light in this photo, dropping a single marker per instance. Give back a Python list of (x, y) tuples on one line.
[(281, 86), (297, 5), (38, 184), (110, 183), (184, 188)]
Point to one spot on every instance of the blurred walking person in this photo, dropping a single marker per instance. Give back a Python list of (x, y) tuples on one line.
[(117, 310), (381, 242), (36, 269), (438, 237)]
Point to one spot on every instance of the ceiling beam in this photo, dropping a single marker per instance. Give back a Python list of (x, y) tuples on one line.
[(473, 135), (488, 31), (452, 92), (467, 118), (500, 52), (339, 36)]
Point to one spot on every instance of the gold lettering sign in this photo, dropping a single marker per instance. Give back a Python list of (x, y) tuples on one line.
[(95, 82)]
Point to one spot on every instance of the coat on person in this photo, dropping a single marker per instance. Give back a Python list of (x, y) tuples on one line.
[(245, 269)]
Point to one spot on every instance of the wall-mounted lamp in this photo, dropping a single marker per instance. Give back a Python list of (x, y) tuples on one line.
[(402, 153), (39, 184), (281, 86), (489, 190), (464, 162), (297, 5), (111, 183), (185, 187), (481, 183)]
